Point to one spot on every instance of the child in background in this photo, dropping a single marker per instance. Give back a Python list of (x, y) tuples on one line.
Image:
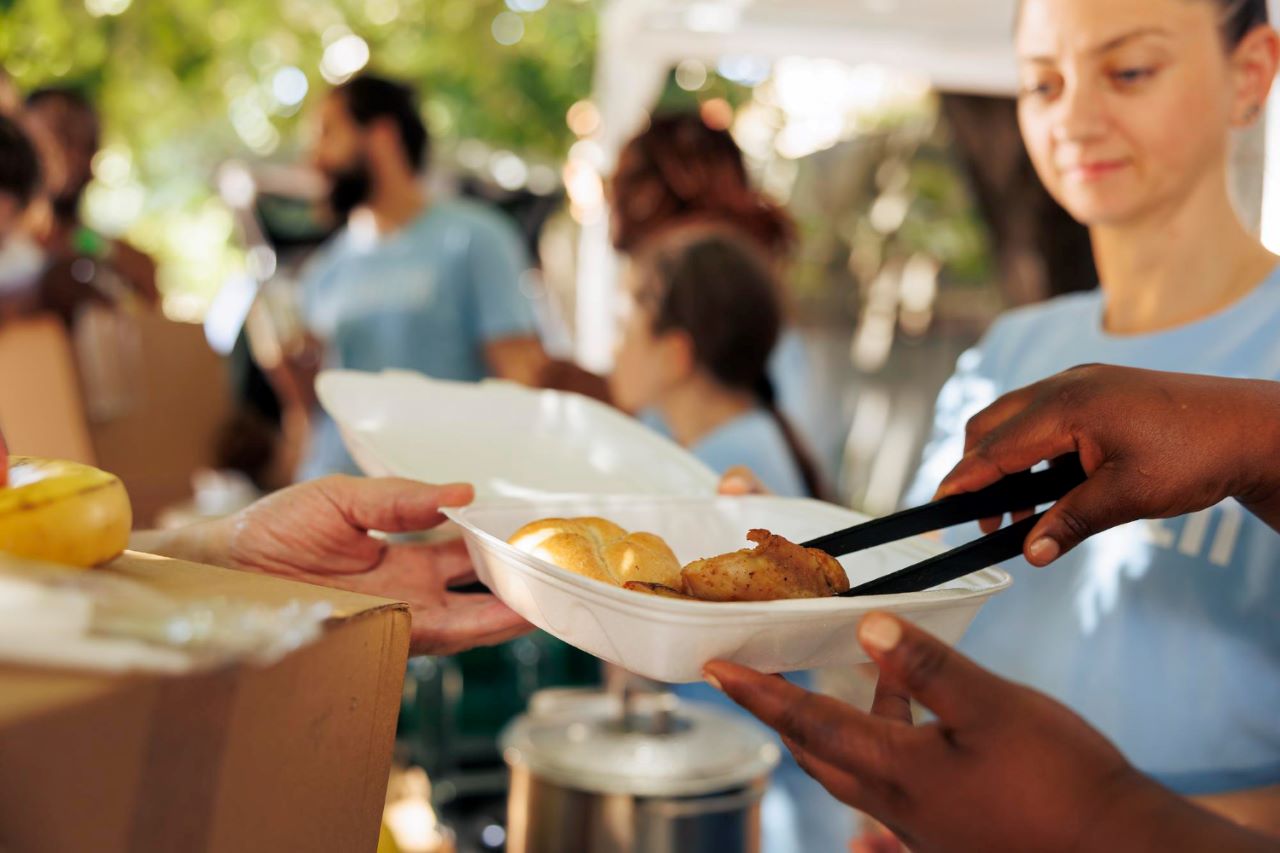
[(703, 318)]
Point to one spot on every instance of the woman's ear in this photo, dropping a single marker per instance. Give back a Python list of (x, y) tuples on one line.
[(679, 357), (1254, 64)]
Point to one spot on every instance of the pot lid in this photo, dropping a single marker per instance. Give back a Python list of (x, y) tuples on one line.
[(666, 748)]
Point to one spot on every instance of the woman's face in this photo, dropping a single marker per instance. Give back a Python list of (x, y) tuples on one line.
[(645, 364), (1125, 105)]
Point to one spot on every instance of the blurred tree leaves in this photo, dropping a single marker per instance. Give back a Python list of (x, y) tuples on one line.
[(159, 66), (166, 75)]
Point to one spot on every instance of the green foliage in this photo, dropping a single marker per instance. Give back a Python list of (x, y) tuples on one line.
[(168, 74), (943, 221)]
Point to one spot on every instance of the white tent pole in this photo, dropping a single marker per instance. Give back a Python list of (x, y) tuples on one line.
[(626, 85)]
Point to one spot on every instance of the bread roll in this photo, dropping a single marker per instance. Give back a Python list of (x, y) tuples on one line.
[(599, 549)]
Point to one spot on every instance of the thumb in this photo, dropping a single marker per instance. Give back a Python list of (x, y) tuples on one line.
[(741, 480), (946, 682), (1095, 505), (392, 504)]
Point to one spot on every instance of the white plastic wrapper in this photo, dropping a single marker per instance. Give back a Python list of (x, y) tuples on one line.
[(53, 616)]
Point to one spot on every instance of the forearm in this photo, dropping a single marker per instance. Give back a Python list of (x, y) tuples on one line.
[(519, 360), (1151, 817), (1261, 494), (203, 542)]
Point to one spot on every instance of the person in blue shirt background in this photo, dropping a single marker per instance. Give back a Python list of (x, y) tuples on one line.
[(681, 171), (702, 319), (410, 282), (1162, 634)]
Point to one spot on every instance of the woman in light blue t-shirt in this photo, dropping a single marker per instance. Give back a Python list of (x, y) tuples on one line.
[(1162, 634), (702, 320)]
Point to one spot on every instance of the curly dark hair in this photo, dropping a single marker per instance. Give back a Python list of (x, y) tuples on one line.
[(679, 170)]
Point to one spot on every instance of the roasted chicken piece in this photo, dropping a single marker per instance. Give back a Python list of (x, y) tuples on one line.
[(775, 568)]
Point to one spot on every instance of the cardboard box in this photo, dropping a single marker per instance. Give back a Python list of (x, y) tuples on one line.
[(294, 756)]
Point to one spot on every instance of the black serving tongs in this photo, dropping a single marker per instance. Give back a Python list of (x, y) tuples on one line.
[(1025, 490)]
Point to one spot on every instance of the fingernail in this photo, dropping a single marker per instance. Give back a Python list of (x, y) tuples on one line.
[(880, 632), (1043, 550), (713, 681)]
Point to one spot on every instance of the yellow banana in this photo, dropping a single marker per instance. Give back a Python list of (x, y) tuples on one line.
[(63, 512)]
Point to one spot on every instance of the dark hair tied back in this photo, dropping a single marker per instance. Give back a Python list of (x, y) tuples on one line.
[(712, 284)]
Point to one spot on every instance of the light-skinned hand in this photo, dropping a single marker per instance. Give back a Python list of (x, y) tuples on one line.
[(319, 532)]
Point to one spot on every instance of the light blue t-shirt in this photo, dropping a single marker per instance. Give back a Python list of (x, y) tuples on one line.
[(755, 440), (791, 371), (427, 298), (1163, 634)]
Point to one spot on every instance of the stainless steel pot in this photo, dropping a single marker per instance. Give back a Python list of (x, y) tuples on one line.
[(594, 773)]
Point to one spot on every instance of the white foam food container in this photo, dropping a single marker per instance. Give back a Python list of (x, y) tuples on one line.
[(670, 639), (507, 440), (542, 454)]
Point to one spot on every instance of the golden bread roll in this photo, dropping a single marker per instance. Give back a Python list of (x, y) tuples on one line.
[(599, 549)]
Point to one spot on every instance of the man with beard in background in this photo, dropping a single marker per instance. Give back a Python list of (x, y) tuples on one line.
[(409, 281)]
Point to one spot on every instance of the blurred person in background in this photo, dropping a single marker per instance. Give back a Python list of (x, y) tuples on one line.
[(22, 258), (82, 266), (681, 171), (704, 314), (409, 281), (20, 263), (1161, 634), (19, 175)]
